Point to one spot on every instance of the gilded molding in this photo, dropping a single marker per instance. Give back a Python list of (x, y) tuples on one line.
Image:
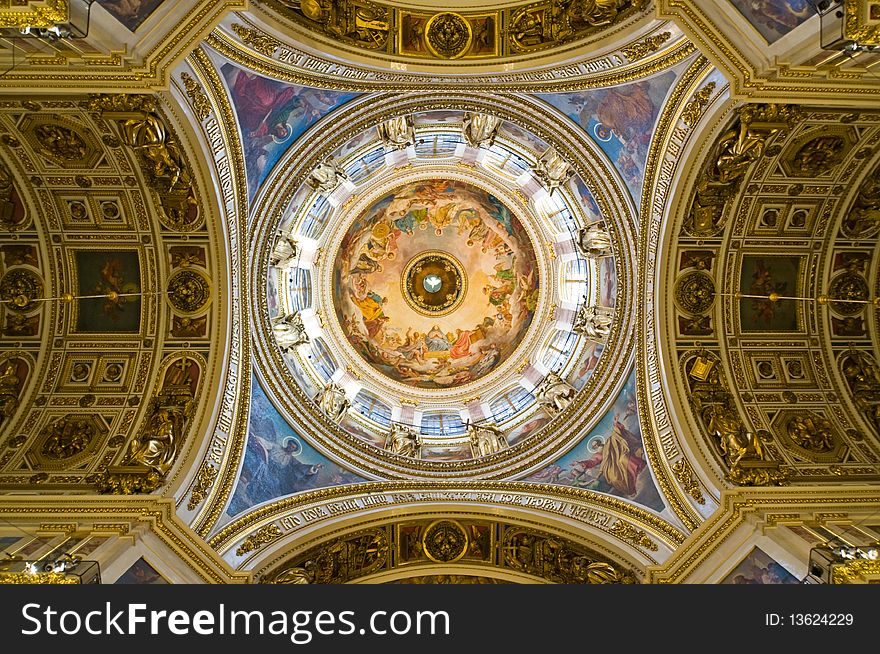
[(39, 14), (200, 103), (856, 572)]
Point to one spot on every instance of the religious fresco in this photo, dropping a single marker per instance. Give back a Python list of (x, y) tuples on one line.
[(272, 115), (589, 360), (520, 432), (130, 13), (493, 289), (100, 273), (776, 18), (607, 282), (141, 573), (620, 119), (278, 461), (759, 568), (611, 458), (762, 276), (588, 202)]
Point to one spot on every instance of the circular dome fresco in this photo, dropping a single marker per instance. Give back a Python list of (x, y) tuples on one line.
[(426, 305), (435, 283)]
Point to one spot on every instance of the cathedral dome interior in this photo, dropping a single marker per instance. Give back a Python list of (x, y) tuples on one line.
[(297, 291)]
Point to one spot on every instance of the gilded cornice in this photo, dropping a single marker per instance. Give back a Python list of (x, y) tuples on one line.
[(313, 509), (157, 514), (754, 76), (121, 72), (741, 507), (293, 63)]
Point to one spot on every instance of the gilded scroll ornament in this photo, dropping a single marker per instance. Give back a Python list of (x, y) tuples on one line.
[(685, 476), (646, 46), (554, 394), (397, 133), (741, 449), (205, 479), (200, 103), (256, 540), (694, 109), (260, 42), (737, 149), (552, 169), (36, 14), (627, 532), (290, 332)]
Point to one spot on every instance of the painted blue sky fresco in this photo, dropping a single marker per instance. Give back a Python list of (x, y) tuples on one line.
[(272, 115), (610, 458), (774, 18), (620, 119), (278, 461)]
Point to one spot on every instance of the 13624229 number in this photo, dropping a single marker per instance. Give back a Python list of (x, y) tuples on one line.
[(820, 619)]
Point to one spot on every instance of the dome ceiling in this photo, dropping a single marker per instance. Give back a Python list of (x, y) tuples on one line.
[(435, 283)]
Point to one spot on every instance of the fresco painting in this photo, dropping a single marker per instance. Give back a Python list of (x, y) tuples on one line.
[(424, 349), (620, 120), (278, 461), (99, 273), (774, 18), (608, 282), (272, 115), (589, 360), (519, 433), (130, 13), (611, 458), (759, 568), (141, 573), (762, 276)]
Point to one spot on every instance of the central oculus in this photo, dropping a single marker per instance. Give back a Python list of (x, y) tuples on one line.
[(435, 284)]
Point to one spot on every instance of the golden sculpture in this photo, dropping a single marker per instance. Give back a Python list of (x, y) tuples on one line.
[(336, 562), (811, 432), (741, 450), (737, 149), (403, 440), (552, 169), (480, 129), (485, 439), (9, 389), (863, 219), (863, 377), (333, 402), (594, 322), (554, 394), (594, 242), (157, 446)]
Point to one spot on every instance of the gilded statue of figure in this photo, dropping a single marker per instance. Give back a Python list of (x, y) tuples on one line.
[(402, 440), (304, 574), (554, 394), (480, 129), (397, 133), (326, 176), (594, 323), (736, 443), (594, 242), (596, 13), (553, 170), (333, 402), (290, 330), (486, 439), (9, 382), (147, 134), (157, 446), (863, 377)]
